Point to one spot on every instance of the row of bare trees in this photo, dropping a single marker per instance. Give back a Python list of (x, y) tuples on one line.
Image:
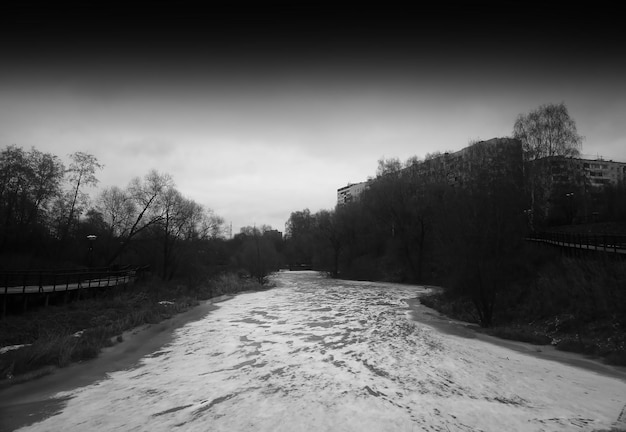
[(46, 213), (152, 207)]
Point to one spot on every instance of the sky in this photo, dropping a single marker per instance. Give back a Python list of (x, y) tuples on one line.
[(260, 111)]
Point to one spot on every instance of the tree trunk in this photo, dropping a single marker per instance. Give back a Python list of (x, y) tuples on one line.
[(71, 215)]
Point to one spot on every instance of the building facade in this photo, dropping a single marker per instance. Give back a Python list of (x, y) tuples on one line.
[(502, 156), (499, 156), (350, 192), (593, 172), (556, 189)]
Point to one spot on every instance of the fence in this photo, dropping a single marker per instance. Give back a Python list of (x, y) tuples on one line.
[(31, 282), (607, 243)]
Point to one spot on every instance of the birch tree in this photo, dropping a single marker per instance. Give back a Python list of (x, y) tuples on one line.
[(548, 131)]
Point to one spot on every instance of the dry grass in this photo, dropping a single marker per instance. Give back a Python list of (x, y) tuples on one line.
[(59, 335)]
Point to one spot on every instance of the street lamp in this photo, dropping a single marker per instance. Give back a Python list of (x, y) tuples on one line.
[(529, 215), (91, 238), (570, 206)]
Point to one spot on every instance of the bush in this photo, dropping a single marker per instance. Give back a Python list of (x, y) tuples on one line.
[(617, 358), (573, 345), (456, 307)]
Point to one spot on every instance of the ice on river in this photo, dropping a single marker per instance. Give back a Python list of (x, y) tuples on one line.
[(315, 354)]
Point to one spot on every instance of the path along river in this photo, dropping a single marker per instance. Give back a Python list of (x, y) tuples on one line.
[(316, 354)]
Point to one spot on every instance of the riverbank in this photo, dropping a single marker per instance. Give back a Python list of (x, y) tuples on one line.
[(31, 401), (431, 317), (34, 342), (68, 346), (318, 354)]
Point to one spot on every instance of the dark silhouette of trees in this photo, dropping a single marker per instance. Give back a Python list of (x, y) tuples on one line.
[(29, 182), (331, 239), (211, 225), (257, 252), (117, 208), (300, 231), (175, 222), (182, 220), (453, 220), (143, 194), (148, 222), (400, 203), (481, 227)]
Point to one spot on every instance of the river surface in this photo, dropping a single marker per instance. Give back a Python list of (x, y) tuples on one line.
[(316, 354)]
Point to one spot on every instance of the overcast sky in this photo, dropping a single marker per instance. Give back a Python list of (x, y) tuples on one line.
[(259, 112)]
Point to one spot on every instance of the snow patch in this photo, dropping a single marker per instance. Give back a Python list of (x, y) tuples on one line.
[(8, 348)]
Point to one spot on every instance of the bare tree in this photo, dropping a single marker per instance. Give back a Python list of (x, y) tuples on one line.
[(47, 174), (144, 193), (178, 220), (388, 166), (545, 132), (548, 131), (211, 225), (117, 208), (81, 172)]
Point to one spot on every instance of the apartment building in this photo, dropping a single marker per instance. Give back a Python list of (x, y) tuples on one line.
[(502, 156), (593, 172), (350, 192)]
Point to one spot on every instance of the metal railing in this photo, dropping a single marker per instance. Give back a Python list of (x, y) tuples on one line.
[(609, 243), (21, 282), (27, 282)]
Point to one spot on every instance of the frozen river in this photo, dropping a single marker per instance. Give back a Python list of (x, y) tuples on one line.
[(316, 354)]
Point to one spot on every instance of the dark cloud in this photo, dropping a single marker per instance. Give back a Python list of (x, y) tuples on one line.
[(314, 89)]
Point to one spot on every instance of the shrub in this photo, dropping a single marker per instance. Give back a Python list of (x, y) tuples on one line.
[(617, 358)]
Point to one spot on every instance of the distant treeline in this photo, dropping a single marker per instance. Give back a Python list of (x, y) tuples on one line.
[(49, 221)]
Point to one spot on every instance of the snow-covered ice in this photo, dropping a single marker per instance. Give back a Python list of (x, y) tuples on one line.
[(6, 349), (316, 354)]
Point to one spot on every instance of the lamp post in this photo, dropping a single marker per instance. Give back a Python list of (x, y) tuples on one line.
[(570, 206), (529, 216), (91, 238)]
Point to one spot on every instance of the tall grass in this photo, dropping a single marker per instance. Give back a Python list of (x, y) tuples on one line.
[(59, 335)]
